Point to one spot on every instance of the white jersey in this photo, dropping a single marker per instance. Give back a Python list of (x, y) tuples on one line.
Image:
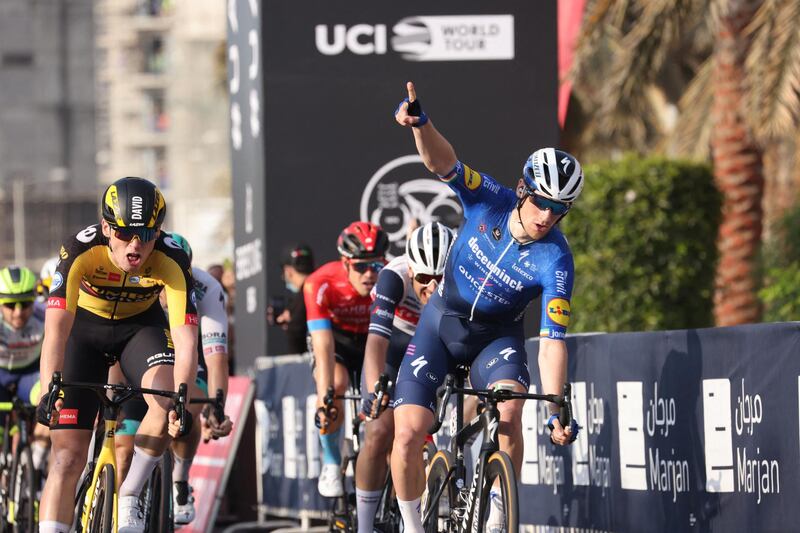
[(20, 348), (211, 302), (395, 290)]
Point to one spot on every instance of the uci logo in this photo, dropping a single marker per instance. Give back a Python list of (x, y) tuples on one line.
[(361, 39)]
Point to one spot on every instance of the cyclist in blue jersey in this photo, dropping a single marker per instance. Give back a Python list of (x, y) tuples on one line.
[(508, 252)]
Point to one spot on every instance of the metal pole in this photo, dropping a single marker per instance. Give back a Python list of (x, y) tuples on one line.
[(18, 207)]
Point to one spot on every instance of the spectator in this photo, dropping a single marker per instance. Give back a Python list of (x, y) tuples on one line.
[(297, 263)]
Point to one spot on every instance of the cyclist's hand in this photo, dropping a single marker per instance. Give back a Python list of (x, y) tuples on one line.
[(409, 112), (174, 424), (370, 406), (560, 435), (41, 409), (213, 428)]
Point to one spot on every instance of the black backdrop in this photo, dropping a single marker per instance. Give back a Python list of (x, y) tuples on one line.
[(333, 73)]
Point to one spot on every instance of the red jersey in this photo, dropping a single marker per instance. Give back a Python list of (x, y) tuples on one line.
[(333, 303)]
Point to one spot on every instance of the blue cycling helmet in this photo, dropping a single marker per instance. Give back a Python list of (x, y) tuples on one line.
[(554, 174)]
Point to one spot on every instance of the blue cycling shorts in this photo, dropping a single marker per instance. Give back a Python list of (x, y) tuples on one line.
[(442, 341)]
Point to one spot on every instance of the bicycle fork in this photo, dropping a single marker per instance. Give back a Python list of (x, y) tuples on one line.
[(107, 456), (475, 509)]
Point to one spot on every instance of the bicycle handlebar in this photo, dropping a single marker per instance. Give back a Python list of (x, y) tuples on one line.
[(127, 391), (444, 392)]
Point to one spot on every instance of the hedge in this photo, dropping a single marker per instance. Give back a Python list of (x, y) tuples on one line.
[(643, 234)]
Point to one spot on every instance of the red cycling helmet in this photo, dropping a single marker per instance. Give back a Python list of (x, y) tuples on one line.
[(363, 240)]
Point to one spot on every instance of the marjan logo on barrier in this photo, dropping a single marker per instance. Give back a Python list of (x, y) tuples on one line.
[(401, 191), (425, 38)]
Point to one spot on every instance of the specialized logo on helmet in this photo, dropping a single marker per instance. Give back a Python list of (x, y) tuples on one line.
[(558, 311), (402, 190)]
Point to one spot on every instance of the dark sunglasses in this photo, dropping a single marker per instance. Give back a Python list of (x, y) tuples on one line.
[(557, 208), (144, 234), (361, 268), (426, 279), (12, 305)]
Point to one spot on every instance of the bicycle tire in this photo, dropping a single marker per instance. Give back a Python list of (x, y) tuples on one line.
[(6, 480), (101, 506), (158, 497), (500, 469), (343, 511), (23, 493), (438, 507)]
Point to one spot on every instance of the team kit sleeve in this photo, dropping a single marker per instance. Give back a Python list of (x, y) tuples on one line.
[(556, 295), (471, 186), (318, 315), (388, 293), (213, 319), (178, 284), (74, 262)]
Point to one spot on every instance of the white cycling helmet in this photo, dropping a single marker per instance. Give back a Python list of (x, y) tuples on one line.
[(554, 173), (48, 271), (427, 248)]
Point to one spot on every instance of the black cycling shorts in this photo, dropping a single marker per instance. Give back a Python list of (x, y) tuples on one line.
[(348, 350), (139, 343)]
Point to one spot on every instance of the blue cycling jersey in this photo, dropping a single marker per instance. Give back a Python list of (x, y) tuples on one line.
[(489, 276)]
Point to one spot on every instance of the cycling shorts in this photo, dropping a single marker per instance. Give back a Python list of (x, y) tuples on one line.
[(442, 341), (348, 350), (398, 343), (139, 342), (22, 383)]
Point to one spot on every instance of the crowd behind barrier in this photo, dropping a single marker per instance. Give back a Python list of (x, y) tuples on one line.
[(690, 430)]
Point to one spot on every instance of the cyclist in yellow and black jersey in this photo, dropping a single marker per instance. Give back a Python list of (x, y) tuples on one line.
[(103, 307)]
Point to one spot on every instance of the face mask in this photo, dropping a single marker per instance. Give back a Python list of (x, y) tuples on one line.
[(291, 287)]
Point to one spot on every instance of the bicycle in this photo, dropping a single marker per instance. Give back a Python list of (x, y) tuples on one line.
[(96, 498), (19, 480), (448, 503)]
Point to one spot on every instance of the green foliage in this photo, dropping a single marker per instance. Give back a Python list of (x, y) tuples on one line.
[(643, 234), (781, 267)]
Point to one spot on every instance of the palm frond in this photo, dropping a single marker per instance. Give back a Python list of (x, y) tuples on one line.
[(692, 134)]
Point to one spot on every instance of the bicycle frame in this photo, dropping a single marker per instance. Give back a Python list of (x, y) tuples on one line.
[(487, 423), (107, 456)]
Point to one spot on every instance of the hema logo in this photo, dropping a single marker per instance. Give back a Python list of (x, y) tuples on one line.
[(424, 38)]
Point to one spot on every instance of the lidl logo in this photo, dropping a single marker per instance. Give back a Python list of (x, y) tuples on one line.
[(558, 311), (472, 179)]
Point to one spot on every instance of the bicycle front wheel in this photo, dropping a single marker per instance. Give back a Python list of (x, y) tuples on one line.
[(23, 494), (439, 497), (499, 497), (157, 496), (101, 506)]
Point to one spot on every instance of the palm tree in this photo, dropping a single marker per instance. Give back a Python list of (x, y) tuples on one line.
[(703, 78)]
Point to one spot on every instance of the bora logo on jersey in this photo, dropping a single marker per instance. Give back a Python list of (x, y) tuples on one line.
[(558, 311)]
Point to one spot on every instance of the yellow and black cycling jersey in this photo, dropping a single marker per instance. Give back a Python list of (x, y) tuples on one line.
[(86, 277)]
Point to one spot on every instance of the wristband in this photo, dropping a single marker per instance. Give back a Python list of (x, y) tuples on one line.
[(414, 110)]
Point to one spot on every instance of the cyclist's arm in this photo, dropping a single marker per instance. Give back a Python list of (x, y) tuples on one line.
[(437, 153), (552, 367), (214, 336), (182, 312), (57, 326), (318, 320), (387, 294)]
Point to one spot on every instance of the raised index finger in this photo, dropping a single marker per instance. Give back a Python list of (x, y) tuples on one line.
[(412, 93)]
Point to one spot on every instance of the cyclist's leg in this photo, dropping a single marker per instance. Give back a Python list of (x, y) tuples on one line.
[(423, 369), (183, 451), (330, 439), (147, 360), (70, 436), (130, 418), (505, 361)]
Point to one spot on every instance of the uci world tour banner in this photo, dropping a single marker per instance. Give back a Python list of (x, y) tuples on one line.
[(694, 430), (332, 73)]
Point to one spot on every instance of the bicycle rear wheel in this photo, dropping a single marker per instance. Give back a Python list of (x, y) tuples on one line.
[(101, 506), (440, 494), (23, 495), (500, 478)]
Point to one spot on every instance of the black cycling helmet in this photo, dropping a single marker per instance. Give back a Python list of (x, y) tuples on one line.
[(133, 203)]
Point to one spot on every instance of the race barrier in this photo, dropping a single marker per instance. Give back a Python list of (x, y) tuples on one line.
[(691, 430)]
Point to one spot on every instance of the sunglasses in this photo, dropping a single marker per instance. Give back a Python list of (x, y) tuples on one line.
[(427, 279), (13, 305), (557, 208), (127, 234), (361, 268)]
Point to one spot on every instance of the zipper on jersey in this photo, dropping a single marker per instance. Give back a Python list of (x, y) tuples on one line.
[(486, 279), (116, 302)]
